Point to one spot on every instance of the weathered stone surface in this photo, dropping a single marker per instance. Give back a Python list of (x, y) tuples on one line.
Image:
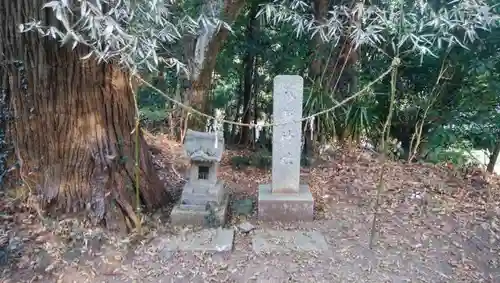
[(269, 241), (166, 254), (287, 106), (204, 200), (201, 146), (246, 227), (285, 199), (208, 240), (194, 174), (285, 207), (194, 195), (196, 215)]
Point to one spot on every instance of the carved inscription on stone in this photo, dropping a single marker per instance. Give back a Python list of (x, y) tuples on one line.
[(287, 159), (287, 108)]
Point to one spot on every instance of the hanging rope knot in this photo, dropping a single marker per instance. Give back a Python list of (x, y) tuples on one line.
[(396, 62)]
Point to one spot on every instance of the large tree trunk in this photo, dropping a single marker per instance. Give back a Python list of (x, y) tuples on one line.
[(73, 125), (204, 55), (494, 157)]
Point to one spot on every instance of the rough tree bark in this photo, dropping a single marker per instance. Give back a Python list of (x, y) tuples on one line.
[(494, 157), (4, 119), (72, 125), (204, 54)]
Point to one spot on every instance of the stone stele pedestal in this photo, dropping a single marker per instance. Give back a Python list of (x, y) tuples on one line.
[(204, 199), (285, 199)]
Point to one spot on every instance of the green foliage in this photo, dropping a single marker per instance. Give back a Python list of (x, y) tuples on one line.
[(456, 157), (150, 101), (154, 108), (262, 159), (316, 100), (240, 162), (140, 35), (459, 156), (149, 115), (448, 82)]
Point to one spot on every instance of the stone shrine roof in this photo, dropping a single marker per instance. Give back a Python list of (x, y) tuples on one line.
[(200, 146)]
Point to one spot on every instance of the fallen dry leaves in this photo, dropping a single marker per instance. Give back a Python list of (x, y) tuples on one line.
[(431, 216)]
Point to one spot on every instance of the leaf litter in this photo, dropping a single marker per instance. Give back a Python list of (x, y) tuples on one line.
[(436, 224)]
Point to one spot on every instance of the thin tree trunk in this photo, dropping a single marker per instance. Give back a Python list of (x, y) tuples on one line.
[(237, 112), (249, 69), (204, 55), (225, 127), (494, 157), (72, 126), (320, 8), (256, 87), (247, 97)]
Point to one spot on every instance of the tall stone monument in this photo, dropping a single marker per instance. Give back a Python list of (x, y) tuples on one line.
[(286, 199), (204, 199)]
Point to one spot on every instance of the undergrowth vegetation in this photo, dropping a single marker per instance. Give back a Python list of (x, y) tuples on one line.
[(445, 105)]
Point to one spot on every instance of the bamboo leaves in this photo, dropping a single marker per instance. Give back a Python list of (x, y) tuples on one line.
[(415, 27), (135, 34)]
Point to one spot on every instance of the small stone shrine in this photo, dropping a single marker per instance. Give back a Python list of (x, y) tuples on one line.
[(286, 199), (204, 199)]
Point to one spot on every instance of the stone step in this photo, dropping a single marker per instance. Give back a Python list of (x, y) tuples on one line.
[(271, 241), (263, 241), (207, 240)]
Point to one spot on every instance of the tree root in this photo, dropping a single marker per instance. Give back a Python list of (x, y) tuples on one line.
[(131, 218)]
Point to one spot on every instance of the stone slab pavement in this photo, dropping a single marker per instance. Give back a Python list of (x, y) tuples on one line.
[(269, 241)]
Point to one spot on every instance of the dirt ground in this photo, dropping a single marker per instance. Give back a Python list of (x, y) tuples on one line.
[(435, 224)]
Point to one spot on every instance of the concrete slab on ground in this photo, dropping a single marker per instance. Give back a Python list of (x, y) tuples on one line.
[(208, 240), (268, 241)]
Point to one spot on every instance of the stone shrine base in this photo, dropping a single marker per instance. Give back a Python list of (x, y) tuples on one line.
[(196, 215), (285, 207)]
